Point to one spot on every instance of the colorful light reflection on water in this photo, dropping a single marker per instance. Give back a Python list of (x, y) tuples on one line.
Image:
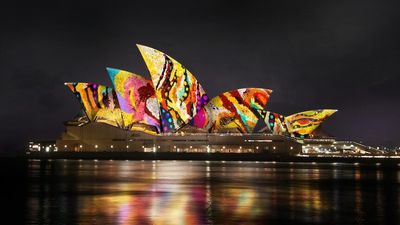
[(198, 192)]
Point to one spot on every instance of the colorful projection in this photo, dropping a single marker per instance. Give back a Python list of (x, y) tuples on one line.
[(179, 94), (299, 125), (274, 122), (238, 109), (174, 98), (304, 123), (136, 97), (99, 102)]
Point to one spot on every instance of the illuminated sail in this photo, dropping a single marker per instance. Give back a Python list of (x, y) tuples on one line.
[(273, 122), (137, 99), (237, 109), (98, 101), (304, 123), (179, 93)]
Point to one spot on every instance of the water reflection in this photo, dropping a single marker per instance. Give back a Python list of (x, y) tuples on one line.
[(185, 192)]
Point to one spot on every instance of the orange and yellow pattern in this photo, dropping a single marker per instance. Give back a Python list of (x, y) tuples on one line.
[(237, 109), (99, 102), (304, 123), (178, 92)]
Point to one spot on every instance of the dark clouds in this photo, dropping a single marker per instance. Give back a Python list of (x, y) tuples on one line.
[(313, 54)]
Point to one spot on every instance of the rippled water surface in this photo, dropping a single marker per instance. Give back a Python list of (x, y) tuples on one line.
[(199, 192)]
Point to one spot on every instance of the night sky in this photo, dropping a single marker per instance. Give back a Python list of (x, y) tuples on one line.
[(313, 54)]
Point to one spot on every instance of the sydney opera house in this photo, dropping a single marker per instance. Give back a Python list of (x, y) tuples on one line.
[(171, 112)]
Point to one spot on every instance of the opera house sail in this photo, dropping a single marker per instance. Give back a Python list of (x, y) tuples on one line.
[(237, 109), (136, 98), (98, 102), (178, 92), (169, 110)]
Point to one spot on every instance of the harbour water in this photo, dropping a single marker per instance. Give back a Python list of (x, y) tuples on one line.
[(207, 192)]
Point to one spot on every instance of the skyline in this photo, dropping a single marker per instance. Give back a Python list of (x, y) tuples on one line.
[(320, 55)]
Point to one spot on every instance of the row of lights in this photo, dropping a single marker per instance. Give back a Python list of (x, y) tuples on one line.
[(96, 146), (208, 147)]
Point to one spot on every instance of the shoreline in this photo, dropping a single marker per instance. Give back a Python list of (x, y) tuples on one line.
[(210, 157)]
